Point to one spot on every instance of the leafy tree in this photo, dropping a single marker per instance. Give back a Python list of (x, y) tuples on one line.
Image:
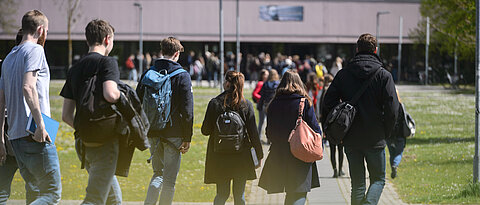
[(7, 10), (452, 24), (72, 8)]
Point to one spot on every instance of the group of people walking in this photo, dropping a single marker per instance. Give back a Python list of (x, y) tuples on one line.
[(234, 147)]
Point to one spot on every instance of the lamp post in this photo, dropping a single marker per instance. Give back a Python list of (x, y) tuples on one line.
[(476, 160), (427, 44), (400, 41), (140, 43), (378, 29), (238, 37), (222, 56)]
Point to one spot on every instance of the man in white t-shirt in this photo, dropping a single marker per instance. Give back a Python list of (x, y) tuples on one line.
[(24, 91)]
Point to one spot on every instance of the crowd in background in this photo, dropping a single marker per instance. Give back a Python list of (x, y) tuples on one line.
[(206, 66)]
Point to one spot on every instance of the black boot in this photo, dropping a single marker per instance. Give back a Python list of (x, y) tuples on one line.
[(335, 173), (394, 172), (341, 173)]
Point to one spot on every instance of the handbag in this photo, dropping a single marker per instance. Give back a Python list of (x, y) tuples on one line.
[(305, 143), (341, 117)]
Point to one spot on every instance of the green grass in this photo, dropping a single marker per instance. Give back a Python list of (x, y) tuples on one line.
[(189, 188), (437, 166)]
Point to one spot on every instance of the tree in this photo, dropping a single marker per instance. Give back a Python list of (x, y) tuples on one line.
[(452, 23), (72, 16), (8, 8)]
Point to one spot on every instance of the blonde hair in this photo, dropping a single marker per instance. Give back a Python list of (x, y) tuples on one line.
[(273, 75)]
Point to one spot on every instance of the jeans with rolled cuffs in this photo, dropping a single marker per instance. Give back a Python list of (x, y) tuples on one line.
[(166, 164), (101, 163), (39, 166)]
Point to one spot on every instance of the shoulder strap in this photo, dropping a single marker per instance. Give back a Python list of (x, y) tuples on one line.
[(176, 72), (364, 87), (300, 108), (300, 112)]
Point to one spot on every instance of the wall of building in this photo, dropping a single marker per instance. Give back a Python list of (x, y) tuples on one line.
[(324, 21)]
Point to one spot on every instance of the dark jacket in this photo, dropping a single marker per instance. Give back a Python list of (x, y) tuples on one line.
[(282, 171), (220, 167), (129, 109), (377, 108), (182, 102), (267, 93)]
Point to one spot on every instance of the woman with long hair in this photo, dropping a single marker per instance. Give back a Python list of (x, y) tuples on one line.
[(224, 163), (282, 171)]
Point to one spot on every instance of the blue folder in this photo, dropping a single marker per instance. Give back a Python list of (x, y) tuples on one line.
[(50, 125)]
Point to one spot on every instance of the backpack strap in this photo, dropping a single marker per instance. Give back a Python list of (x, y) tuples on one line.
[(364, 87), (176, 72)]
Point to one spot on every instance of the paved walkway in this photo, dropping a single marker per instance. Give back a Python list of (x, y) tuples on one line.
[(333, 191)]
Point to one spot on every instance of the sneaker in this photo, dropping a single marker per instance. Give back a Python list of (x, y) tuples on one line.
[(394, 172), (335, 173), (341, 173)]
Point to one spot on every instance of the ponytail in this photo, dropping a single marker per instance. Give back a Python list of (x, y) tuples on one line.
[(234, 91)]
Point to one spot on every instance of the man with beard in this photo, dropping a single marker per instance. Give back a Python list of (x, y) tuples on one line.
[(24, 91)]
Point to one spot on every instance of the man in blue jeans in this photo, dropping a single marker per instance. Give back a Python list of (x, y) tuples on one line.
[(10, 167), (97, 146), (24, 91), (169, 143), (374, 121)]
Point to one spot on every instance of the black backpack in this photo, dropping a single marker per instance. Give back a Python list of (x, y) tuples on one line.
[(405, 126), (230, 133), (341, 117), (95, 118)]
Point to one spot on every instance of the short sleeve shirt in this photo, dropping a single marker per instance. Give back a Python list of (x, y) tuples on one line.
[(24, 58), (107, 68)]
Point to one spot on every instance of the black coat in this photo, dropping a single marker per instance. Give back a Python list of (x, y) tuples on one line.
[(267, 93), (377, 108), (283, 172), (182, 102), (220, 167)]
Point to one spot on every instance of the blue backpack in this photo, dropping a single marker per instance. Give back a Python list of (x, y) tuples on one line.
[(157, 98)]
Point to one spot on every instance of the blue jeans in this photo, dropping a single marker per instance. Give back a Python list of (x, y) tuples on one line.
[(132, 75), (7, 171), (166, 164), (223, 192), (261, 119), (295, 198), (375, 159), (101, 163), (39, 167), (395, 148)]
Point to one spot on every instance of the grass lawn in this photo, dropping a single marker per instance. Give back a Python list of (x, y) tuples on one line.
[(189, 188), (438, 161)]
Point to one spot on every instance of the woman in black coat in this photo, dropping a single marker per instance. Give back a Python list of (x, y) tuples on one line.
[(282, 171), (221, 168)]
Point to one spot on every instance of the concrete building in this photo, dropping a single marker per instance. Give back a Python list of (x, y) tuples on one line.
[(328, 28)]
